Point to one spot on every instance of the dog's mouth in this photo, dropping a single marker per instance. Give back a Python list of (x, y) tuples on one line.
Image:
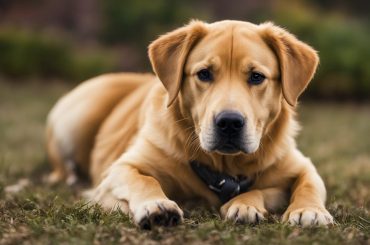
[(228, 147)]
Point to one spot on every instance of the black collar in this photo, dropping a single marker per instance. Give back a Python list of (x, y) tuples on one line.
[(223, 185)]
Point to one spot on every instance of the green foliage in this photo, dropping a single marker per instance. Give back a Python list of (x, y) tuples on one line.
[(32, 54), (136, 23), (29, 54), (140, 21)]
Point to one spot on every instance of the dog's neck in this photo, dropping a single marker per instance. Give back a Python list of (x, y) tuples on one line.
[(278, 137)]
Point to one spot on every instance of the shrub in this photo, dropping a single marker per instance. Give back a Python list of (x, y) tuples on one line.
[(29, 54)]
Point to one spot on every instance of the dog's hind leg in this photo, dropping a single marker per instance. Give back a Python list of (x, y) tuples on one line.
[(63, 169), (55, 158)]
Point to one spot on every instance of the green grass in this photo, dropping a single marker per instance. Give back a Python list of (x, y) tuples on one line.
[(335, 136)]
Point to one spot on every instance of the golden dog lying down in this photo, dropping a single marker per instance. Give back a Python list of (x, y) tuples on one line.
[(215, 124)]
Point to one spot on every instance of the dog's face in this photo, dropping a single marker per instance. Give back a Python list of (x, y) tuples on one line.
[(231, 85), (232, 78)]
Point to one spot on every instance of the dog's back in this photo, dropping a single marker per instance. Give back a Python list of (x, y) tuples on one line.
[(74, 122)]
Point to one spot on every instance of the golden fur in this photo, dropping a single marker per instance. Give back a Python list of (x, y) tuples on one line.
[(135, 134)]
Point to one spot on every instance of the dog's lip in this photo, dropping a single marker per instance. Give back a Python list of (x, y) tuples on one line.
[(228, 147), (228, 152)]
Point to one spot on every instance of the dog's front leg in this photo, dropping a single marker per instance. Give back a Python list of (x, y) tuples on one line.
[(147, 203), (246, 208), (252, 207), (307, 206), (307, 203)]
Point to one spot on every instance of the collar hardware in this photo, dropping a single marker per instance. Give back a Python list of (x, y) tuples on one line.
[(223, 185)]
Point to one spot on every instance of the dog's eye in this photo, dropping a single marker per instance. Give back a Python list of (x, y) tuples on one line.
[(205, 75), (256, 78)]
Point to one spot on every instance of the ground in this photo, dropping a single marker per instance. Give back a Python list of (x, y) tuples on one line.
[(335, 136)]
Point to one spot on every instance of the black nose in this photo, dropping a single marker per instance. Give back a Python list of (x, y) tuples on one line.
[(229, 122)]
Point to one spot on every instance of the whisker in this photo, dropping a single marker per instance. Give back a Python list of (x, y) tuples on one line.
[(182, 119)]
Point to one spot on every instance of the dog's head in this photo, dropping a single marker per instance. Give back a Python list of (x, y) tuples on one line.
[(232, 78)]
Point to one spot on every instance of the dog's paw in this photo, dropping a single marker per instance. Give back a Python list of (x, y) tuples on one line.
[(309, 216), (242, 214), (157, 213)]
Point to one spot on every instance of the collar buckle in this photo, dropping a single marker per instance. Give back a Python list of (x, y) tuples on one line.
[(223, 185)]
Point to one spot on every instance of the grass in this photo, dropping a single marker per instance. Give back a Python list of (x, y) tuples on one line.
[(335, 136)]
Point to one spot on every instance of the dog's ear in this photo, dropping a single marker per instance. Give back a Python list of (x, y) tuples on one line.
[(298, 61), (169, 52)]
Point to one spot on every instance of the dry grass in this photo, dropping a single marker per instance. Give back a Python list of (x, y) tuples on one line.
[(336, 136)]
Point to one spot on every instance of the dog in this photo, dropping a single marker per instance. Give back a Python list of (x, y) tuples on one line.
[(215, 124)]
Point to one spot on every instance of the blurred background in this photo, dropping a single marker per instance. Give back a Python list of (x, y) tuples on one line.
[(71, 40), (49, 46)]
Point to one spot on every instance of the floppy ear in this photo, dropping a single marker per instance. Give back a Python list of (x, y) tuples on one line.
[(298, 61), (169, 52)]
